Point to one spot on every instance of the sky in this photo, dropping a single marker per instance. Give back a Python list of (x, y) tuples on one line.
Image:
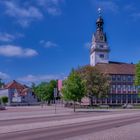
[(42, 40)]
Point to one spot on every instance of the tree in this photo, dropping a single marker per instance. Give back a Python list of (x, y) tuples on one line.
[(40, 90), (137, 79), (137, 76), (44, 91), (50, 90), (97, 84), (74, 88), (4, 99)]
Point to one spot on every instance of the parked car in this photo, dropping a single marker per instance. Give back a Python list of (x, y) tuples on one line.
[(128, 106), (2, 107)]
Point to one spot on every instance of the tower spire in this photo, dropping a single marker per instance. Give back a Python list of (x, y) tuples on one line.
[(99, 11), (100, 20)]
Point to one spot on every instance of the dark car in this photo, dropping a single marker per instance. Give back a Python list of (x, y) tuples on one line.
[(2, 107)]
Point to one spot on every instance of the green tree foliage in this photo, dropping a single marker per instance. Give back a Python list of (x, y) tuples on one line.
[(73, 88), (50, 90), (97, 84), (4, 99), (40, 90), (137, 77), (44, 91)]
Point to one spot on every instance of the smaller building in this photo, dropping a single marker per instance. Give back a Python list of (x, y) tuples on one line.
[(18, 94)]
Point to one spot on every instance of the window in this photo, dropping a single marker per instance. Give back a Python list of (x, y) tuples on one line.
[(102, 56), (126, 87), (113, 87), (129, 78), (118, 78), (129, 87), (101, 46), (119, 87), (113, 78), (124, 78)]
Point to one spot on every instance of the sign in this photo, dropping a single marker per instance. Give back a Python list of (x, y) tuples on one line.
[(55, 92), (16, 99), (59, 85)]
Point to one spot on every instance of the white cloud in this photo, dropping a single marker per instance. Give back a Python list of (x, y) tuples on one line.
[(4, 76), (106, 5), (48, 44), (40, 78), (6, 37), (24, 15), (53, 11), (16, 51), (51, 6), (27, 11)]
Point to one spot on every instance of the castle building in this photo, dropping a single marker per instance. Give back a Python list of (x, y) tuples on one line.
[(122, 75)]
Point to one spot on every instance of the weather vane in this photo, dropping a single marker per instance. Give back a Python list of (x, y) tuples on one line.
[(99, 11)]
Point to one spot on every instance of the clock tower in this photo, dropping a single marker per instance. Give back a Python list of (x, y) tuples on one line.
[(99, 52)]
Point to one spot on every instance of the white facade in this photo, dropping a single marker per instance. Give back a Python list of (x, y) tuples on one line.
[(99, 57)]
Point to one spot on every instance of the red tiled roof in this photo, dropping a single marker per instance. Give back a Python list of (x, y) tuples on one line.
[(21, 89), (112, 68), (14, 84)]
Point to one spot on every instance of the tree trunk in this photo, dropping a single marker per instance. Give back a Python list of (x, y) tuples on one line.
[(91, 101), (74, 107), (49, 102)]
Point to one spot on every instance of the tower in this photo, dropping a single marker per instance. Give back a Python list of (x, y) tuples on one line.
[(99, 52)]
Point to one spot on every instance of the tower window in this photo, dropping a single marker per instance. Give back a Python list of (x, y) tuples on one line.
[(102, 56), (101, 37), (101, 46)]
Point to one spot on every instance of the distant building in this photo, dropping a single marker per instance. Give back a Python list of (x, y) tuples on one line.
[(18, 94), (122, 75)]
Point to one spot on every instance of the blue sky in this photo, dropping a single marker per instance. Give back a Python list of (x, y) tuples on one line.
[(44, 39)]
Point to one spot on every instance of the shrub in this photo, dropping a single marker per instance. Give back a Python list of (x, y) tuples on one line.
[(4, 99)]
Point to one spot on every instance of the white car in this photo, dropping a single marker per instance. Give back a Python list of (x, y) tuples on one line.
[(127, 106)]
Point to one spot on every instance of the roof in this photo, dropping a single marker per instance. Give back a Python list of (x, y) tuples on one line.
[(14, 84), (21, 89), (116, 68)]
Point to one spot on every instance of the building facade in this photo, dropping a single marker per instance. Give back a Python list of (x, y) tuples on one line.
[(122, 75)]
